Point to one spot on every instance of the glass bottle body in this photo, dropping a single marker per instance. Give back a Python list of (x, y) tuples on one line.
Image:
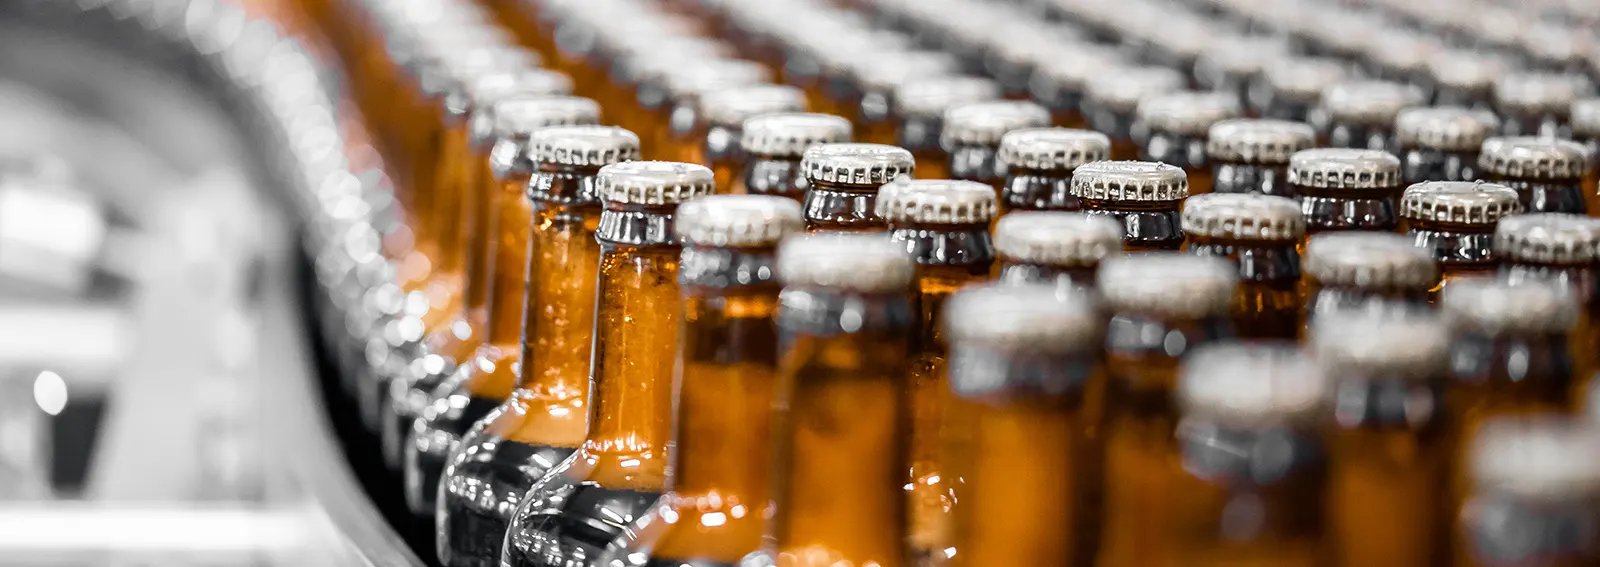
[(1462, 251), (977, 162), (1362, 136), (1187, 152), (1116, 125), (1585, 336), (1328, 210), (1425, 164), (1239, 177), (1147, 226), (1267, 303), (920, 136), (770, 175), (1546, 195), (1499, 528), (1321, 300), (1079, 277), (1038, 190), (836, 207)]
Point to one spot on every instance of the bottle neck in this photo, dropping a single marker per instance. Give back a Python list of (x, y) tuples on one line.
[(1425, 164), (1580, 278), (480, 228), (1389, 401), (1144, 352), (1513, 370), (1035, 190), (782, 177), (1327, 210), (1237, 177), (831, 207), (1454, 245), (1013, 272), (1259, 261), (452, 195), (1188, 152), (555, 191), (920, 134), (1361, 135), (1145, 226), (1546, 195), (979, 163)]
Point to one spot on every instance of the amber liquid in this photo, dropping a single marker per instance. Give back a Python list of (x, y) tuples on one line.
[(1386, 495), (461, 336), (933, 165), (1199, 179)]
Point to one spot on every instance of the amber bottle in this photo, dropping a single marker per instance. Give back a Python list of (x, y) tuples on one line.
[(679, 135), (1054, 247), (1142, 196), (1346, 189), (1366, 271), (1173, 128), (1536, 104), (1454, 222), (1546, 173), (1360, 113), (1563, 249), (1464, 78), (1113, 95), (1441, 143), (843, 182), (1038, 163), (972, 133), (1251, 155), (1061, 83), (867, 94), (1586, 132), (1262, 235), (716, 136), (919, 108), (1531, 495), (1235, 65), (772, 145), (1291, 88)]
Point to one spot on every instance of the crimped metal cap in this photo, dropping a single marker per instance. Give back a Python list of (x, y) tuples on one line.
[(1243, 216), (1444, 128), (1052, 149), (1250, 383), (1052, 238), (584, 146), (1412, 346), (704, 76), (1585, 117), (1369, 102), (1344, 168), (654, 182), (1533, 158), (936, 201), (1369, 260), (738, 220), (1119, 89), (1542, 458), (1459, 202), (1303, 78), (1130, 181), (1536, 93), (1495, 306), (931, 97), (1187, 113), (1548, 238), (983, 123), (492, 87), (856, 164), (1168, 284), (1026, 318), (789, 134), (729, 108), (866, 263), (519, 116), (1257, 140)]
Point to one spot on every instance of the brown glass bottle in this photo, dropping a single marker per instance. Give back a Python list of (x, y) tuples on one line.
[(1142, 196), (679, 136), (945, 226), (846, 321), (1235, 65), (1112, 97), (1365, 271), (1060, 83), (716, 510), (1441, 143), (919, 107), (1536, 104), (1054, 247), (1533, 484), (772, 146), (1172, 128), (1389, 440), (1464, 78), (1038, 163), (1292, 87), (1563, 249), (1162, 306), (543, 420), (1346, 189), (868, 94), (1360, 113), (1401, 55), (1547, 174), (1251, 155), (1262, 235), (1586, 132), (1022, 359), (972, 133), (843, 182), (1454, 222), (716, 139)]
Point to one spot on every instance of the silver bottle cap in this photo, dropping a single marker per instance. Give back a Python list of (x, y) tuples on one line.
[(1053, 238), (1411, 346), (654, 182), (1536, 93), (1119, 89), (1495, 306), (519, 116), (1545, 458), (1304, 79), (1459, 202), (1168, 284), (1443, 128), (1585, 117), (1369, 260), (738, 220), (1243, 216), (584, 146), (1548, 238), (856, 164), (936, 201), (1527, 157), (1369, 102), (1345, 168), (866, 263), (1130, 181), (1250, 383), (1187, 113), (983, 123), (789, 134), (729, 108), (931, 97), (1052, 149), (1258, 140), (705, 76), (1025, 318)]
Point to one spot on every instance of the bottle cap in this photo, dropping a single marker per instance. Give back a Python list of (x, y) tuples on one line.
[(1119, 89), (654, 182), (1546, 458), (1369, 102), (584, 146), (1052, 149), (729, 108), (884, 71), (1411, 346), (1168, 284), (1237, 57), (1130, 181), (494, 86), (1536, 93), (865, 263), (1369, 260), (936, 201), (1258, 140), (1187, 113), (930, 97), (702, 76), (856, 164), (789, 134), (1527, 157), (1025, 318), (1055, 76), (1052, 238), (1443, 128), (1344, 168), (1303, 79), (1501, 307), (983, 123), (519, 116), (1585, 117), (1250, 383), (1548, 238), (1401, 51), (738, 220), (1459, 202), (1243, 216), (1466, 70)]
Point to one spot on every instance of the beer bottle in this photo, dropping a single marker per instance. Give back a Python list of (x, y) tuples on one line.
[(1039, 163), (843, 182), (715, 142), (1558, 47), (1054, 247), (1389, 445), (1013, 58), (845, 320), (1346, 189), (716, 510), (1261, 234), (919, 107), (1586, 132), (1235, 66), (1464, 78), (1454, 222), (1360, 113), (1113, 95), (1060, 83), (945, 226), (1292, 87), (1441, 143), (581, 505), (1401, 55), (636, 77), (1251, 155), (1162, 306), (772, 146), (1546, 173), (544, 419), (872, 80), (1535, 104), (1021, 358), (685, 87), (1564, 249), (1531, 500), (1247, 439), (1172, 128), (972, 133), (1142, 196), (1366, 271)]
